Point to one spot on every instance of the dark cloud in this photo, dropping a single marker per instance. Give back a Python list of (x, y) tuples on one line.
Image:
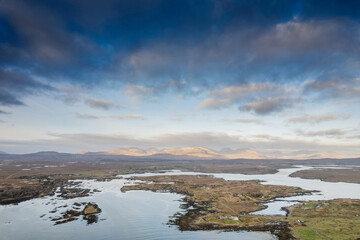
[(13, 86), (45, 40), (101, 104), (284, 52), (8, 99), (41, 40), (269, 105), (179, 46), (4, 112), (338, 87)]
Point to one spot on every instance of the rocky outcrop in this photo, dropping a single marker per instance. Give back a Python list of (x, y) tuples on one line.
[(89, 213)]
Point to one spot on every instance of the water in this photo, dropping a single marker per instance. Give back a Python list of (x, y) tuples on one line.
[(327, 190), (130, 215), (144, 214)]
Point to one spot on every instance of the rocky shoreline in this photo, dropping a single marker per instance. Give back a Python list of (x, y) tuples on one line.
[(63, 188), (46, 186), (187, 222)]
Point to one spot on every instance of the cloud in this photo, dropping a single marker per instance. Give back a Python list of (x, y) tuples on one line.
[(237, 92), (303, 37), (248, 120), (256, 57), (15, 85), (340, 87), (139, 92), (225, 45), (47, 40), (45, 43), (315, 118), (244, 120), (245, 94), (4, 112), (86, 116), (214, 104), (128, 117), (269, 105), (267, 145), (8, 99), (281, 53), (71, 94), (323, 133), (101, 104), (176, 119), (118, 117)]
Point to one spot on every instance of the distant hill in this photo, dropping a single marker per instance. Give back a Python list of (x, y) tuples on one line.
[(197, 152), (180, 153), (204, 153), (186, 153)]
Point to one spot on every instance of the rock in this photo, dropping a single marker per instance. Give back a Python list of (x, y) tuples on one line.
[(91, 208), (89, 214), (91, 218), (71, 213)]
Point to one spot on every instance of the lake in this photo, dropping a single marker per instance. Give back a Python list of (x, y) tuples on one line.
[(144, 214)]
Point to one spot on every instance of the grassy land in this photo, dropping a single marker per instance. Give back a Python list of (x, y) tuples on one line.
[(331, 175), (227, 197), (336, 219)]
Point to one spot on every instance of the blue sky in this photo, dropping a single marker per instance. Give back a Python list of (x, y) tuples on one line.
[(279, 77)]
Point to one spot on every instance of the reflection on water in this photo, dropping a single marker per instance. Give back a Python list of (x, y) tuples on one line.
[(143, 215)]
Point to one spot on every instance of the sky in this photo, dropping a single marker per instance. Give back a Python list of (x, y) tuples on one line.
[(278, 77)]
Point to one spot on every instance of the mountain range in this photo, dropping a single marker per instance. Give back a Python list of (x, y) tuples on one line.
[(204, 153)]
